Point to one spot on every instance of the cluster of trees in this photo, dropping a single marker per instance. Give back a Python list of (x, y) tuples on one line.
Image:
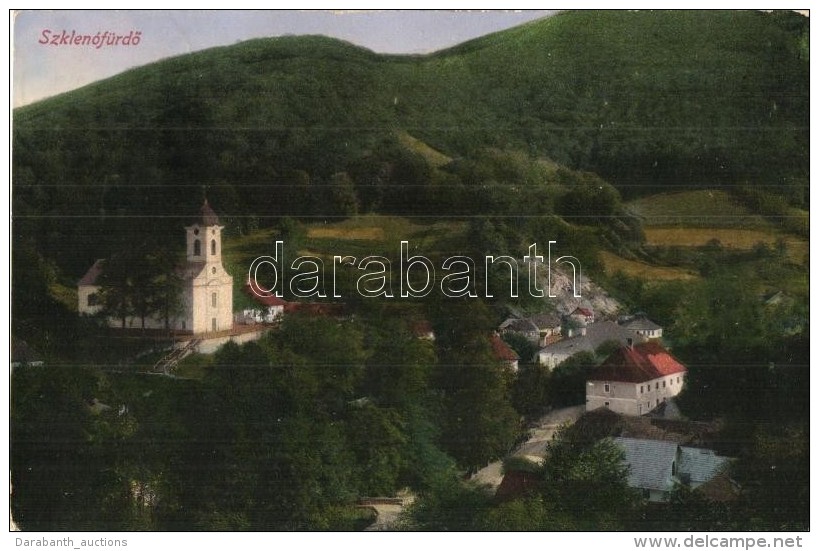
[(748, 364), (284, 433), (289, 431), (140, 283), (581, 485), (538, 388)]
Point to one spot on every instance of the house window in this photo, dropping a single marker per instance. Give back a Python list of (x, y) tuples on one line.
[(213, 300), (213, 247), (641, 389), (606, 388), (657, 385), (197, 248), (663, 384), (92, 299), (606, 404), (657, 402), (678, 379)]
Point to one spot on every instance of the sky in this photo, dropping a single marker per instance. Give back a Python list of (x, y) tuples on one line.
[(42, 69)]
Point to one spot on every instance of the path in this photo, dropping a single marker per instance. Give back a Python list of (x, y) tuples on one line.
[(536, 445)]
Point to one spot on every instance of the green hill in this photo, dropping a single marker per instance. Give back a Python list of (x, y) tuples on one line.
[(310, 125)]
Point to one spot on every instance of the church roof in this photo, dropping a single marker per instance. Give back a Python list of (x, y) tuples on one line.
[(209, 217)]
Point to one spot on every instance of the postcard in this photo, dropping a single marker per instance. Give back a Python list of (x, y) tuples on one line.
[(410, 271)]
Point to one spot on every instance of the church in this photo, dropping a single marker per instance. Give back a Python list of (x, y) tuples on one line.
[(207, 289)]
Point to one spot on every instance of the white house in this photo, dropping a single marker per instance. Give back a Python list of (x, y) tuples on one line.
[(656, 466), (644, 327), (207, 289), (586, 339), (635, 379)]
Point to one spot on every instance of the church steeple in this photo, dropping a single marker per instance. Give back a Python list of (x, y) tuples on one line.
[(209, 288), (209, 217), (204, 237)]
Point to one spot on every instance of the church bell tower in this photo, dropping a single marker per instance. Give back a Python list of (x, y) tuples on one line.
[(208, 287)]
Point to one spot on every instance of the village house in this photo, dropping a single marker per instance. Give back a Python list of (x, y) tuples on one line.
[(523, 327), (422, 329), (207, 289), (585, 339), (503, 352), (657, 466), (549, 327), (268, 308), (583, 314), (644, 327), (540, 329), (635, 379)]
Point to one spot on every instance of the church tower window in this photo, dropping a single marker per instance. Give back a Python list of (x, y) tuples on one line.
[(213, 247), (197, 248)]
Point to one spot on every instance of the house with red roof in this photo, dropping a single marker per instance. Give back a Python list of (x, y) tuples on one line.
[(635, 379), (422, 329), (503, 352), (586, 315), (269, 308)]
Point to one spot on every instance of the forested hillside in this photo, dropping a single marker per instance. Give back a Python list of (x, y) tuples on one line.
[(307, 125)]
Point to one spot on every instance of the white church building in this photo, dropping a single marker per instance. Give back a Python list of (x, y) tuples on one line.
[(207, 289)]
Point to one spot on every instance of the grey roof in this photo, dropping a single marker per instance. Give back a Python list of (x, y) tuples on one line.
[(519, 326), (641, 324), (666, 410), (546, 321), (596, 334), (649, 461), (700, 465), (507, 322)]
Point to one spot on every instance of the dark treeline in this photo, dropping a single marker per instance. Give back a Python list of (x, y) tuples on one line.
[(284, 433)]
